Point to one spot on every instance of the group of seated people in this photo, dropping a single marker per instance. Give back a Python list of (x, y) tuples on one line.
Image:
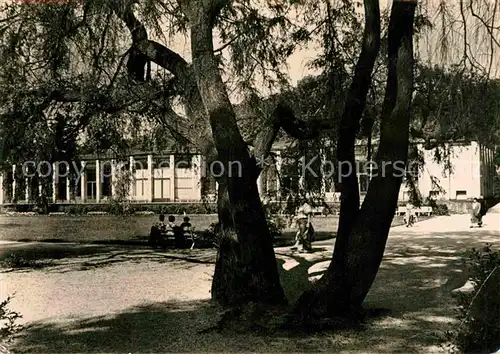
[(162, 231)]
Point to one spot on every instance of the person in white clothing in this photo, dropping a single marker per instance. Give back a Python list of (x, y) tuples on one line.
[(410, 216), (303, 220)]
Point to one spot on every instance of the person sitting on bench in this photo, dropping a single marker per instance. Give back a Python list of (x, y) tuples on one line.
[(176, 232), (156, 230), (187, 231), (171, 227)]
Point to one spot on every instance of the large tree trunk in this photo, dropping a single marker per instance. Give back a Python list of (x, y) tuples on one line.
[(227, 273), (362, 234), (246, 267), (254, 273)]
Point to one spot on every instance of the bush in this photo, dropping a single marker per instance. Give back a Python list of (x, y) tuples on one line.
[(276, 226), (212, 235), (177, 209), (8, 319), (77, 209), (119, 207), (437, 209), (479, 310), (440, 209)]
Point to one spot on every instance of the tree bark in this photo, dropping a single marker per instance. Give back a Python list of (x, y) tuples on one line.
[(349, 126), (361, 238), (253, 274)]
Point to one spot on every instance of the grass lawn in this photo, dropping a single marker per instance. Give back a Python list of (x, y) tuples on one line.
[(120, 229)]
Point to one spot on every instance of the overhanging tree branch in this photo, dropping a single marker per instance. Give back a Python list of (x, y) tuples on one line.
[(282, 117), (156, 52)]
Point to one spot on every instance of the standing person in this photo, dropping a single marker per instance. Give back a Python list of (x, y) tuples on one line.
[(265, 205), (476, 213), (409, 215), (303, 219), (290, 209), (187, 232), (482, 210)]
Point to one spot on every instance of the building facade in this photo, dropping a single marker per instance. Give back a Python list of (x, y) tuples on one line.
[(140, 178), (457, 171), (466, 171)]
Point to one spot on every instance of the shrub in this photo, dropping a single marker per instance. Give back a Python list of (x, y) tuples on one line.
[(441, 209), (8, 319), (479, 310), (212, 234), (118, 207), (437, 209), (276, 226), (176, 208), (77, 209)]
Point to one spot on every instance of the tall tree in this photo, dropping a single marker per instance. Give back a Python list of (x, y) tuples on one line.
[(362, 232)]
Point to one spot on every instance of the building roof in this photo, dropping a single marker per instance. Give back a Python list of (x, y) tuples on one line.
[(137, 153)]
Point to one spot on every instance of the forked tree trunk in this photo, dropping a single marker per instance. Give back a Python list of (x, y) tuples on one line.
[(361, 238), (254, 272), (227, 272)]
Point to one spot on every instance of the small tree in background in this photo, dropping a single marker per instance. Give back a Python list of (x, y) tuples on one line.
[(122, 183)]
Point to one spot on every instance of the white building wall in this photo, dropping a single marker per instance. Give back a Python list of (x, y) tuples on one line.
[(163, 178), (170, 183), (464, 175)]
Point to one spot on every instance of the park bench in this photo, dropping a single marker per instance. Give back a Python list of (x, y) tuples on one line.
[(176, 237), (401, 211), (425, 210), (318, 210)]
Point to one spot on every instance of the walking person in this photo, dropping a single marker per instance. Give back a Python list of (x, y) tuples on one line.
[(476, 218), (482, 210), (409, 217), (304, 234)]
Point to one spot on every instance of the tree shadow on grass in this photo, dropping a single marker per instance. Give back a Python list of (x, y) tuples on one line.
[(66, 257), (45, 253), (414, 283), (158, 327), (179, 327)]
